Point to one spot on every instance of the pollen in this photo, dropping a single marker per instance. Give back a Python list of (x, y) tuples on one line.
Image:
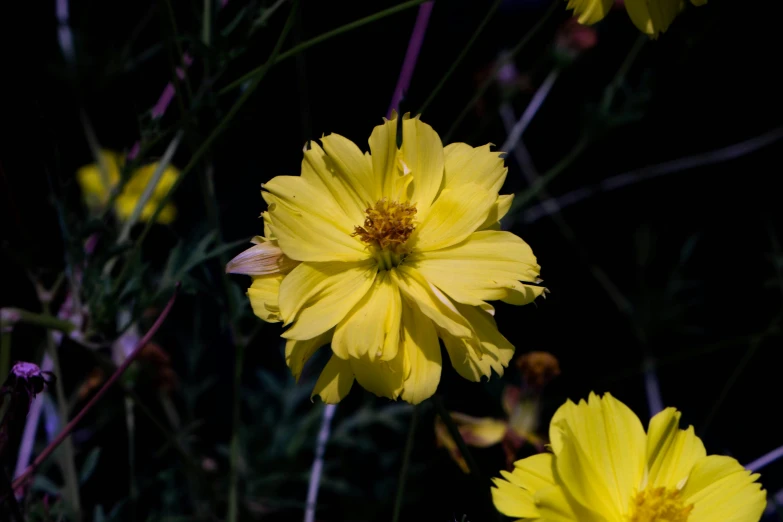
[(388, 226), (659, 505)]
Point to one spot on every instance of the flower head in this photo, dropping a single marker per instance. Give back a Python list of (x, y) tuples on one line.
[(652, 17), (98, 179), (604, 467), (382, 253)]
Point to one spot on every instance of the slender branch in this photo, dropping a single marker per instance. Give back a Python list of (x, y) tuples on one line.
[(461, 56), (730, 152), (406, 461), (21, 479), (315, 41), (411, 56), (515, 133), (554, 7), (318, 462), (765, 460)]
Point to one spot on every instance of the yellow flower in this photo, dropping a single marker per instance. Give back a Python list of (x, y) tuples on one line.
[(98, 179), (652, 17), (605, 468), (381, 254), (519, 427)]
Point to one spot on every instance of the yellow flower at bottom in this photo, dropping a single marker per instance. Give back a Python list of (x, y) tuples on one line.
[(605, 468), (382, 254), (652, 17), (98, 179)]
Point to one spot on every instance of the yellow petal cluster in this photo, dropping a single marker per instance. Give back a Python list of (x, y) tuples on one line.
[(98, 179), (652, 17), (605, 468), (381, 254)]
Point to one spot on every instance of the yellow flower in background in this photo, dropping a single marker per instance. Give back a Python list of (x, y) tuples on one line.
[(652, 17), (98, 179), (382, 253), (605, 468), (518, 428)]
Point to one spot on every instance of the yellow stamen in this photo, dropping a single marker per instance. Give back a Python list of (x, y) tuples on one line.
[(659, 505), (388, 226)]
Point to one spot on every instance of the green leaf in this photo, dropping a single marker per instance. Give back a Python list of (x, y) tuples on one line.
[(88, 467)]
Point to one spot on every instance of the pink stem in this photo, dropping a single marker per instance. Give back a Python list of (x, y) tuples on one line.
[(97, 397), (409, 64)]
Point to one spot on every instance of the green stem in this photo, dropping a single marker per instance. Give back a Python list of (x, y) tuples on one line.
[(462, 54), (130, 422), (406, 460), (67, 459), (457, 436), (622, 72), (554, 7), (221, 126), (11, 316), (318, 39)]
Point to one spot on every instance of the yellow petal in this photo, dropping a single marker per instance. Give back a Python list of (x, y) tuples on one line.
[(479, 165), (499, 209), (488, 265), (139, 178), (96, 185), (321, 172), (319, 295), (722, 490), (443, 439), (422, 152), (298, 352), (335, 381), (385, 155), (653, 17), (671, 452), (600, 452), (481, 432), (263, 258), (553, 506), (420, 341), (699, 2), (383, 378), (431, 302), (514, 495), (263, 297), (372, 327), (309, 226), (349, 162), (494, 352), (167, 214), (456, 214), (590, 11)]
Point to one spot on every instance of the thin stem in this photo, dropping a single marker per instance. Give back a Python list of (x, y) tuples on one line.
[(261, 70), (515, 132), (67, 460), (406, 461), (221, 126), (411, 56), (11, 316), (66, 431), (461, 56), (233, 487), (622, 72), (728, 153), (318, 462), (554, 7), (457, 436), (765, 460)]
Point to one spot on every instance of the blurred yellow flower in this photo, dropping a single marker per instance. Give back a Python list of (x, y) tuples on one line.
[(519, 427), (604, 467), (381, 254), (652, 17), (98, 179)]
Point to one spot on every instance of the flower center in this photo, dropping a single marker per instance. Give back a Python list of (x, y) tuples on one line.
[(387, 227), (659, 505)]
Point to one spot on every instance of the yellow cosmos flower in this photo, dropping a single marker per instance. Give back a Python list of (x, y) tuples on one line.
[(652, 17), (381, 254), (605, 468), (98, 179)]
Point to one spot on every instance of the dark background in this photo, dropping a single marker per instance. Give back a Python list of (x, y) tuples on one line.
[(713, 80)]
